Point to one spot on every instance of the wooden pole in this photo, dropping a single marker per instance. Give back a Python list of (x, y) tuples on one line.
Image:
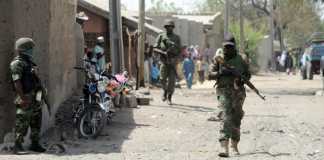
[(141, 41), (242, 38)]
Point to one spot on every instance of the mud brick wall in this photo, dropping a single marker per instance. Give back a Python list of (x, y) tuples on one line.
[(6, 49)]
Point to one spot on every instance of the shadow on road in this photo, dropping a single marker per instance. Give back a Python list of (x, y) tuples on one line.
[(184, 107), (265, 153), (112, 138), (266, 116)]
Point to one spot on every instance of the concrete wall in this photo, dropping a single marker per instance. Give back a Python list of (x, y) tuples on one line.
[(191, 32), (215, 36), (51, 24), (95, 24), (61, 56), (6, 49)]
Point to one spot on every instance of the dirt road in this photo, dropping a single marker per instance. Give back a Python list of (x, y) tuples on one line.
[(288, 126)]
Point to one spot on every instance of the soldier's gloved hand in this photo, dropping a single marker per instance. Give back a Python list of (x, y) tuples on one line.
[(24, 104)]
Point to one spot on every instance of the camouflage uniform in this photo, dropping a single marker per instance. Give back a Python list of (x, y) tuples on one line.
[(231, 99), (171, 44), (21, 69), (229, 70)]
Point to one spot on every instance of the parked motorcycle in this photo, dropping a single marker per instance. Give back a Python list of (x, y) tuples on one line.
[(93, 111)]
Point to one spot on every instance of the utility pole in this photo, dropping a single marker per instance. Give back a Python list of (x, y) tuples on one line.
[(242, 38), (141, 42), (272, 34), (116, 38), (226, 18)]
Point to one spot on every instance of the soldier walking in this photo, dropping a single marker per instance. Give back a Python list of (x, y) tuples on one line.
[(230, 94), (168, 45), (28, 108)]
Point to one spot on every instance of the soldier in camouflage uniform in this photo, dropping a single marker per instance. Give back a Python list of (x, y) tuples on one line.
[(170, 44), (230, 94), (28, 109)]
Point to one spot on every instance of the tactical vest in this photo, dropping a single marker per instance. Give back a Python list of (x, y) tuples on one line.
[(27, 79), (228, 81)]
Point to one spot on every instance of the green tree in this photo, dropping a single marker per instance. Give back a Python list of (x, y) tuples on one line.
[(160, 6), (252, 38), (210, 6), (294, 20)]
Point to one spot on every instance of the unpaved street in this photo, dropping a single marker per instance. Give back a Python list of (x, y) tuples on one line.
[(288, 126)]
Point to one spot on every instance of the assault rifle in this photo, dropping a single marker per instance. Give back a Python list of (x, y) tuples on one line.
[(221, 61), (41, 92), (165, 53)]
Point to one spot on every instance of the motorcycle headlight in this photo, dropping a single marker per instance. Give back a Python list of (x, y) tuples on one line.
[(92, 88), (101, 86)]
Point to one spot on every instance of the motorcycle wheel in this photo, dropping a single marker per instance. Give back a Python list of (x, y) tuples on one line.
[(91, 122)]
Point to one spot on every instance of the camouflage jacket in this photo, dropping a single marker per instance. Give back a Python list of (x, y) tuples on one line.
[(227, 81), (21, 69), (170, 43)]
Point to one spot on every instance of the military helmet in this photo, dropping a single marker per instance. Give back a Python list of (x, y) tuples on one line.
[(169, 22), (229, 40), (24, 44)]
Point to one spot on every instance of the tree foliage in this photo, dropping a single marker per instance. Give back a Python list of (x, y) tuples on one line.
[(252, 38), (160, 6), (210, 6), (294, 20)]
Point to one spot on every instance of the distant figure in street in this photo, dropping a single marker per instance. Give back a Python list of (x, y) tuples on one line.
[(289, 63), (99, 55), (155, 73), (230, 94), (282, 58), (184, 52), (207, 55), (201, 69), (188, 70)]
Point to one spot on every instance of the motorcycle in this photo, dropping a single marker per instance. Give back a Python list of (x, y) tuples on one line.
[(94, 109)]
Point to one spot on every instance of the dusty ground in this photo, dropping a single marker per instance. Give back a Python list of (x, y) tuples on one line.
[(288, 126)]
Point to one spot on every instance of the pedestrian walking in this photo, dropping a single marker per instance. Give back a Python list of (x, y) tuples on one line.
[(188, 70), (170, 46), (230, 94), (201, 69), (289, 63)]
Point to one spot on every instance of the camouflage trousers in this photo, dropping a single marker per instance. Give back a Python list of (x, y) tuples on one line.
[(168, 77), (230, 103), (30, 117)]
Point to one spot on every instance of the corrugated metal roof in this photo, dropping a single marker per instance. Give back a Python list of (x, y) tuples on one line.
[(102, 4), (101, 7), (205, 19)]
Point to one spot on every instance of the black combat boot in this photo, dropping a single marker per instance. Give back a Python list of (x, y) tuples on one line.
[(19, 149), (170, 99), (36, 147), (164, 96), (224, 149), (234, 147)]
